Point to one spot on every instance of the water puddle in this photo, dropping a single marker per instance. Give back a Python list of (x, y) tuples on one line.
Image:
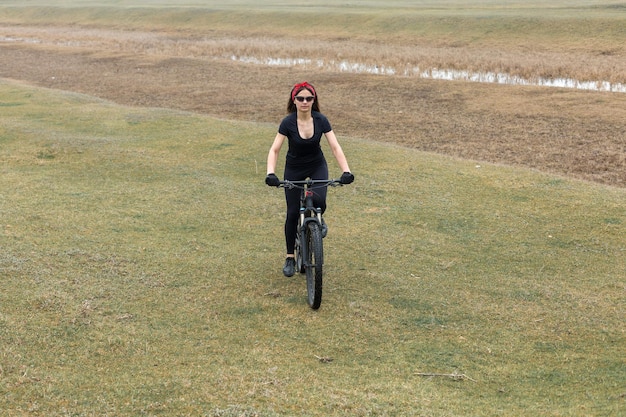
[(435, 73)]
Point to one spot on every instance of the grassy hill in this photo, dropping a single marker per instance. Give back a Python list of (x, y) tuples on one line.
[(140, 260)]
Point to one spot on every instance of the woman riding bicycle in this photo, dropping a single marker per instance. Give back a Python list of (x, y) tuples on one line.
[(303, 127)]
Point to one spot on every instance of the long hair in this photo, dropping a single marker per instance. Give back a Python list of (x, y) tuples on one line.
[(291, 106)]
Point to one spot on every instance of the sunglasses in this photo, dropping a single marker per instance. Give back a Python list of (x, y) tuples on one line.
[(303, 99)]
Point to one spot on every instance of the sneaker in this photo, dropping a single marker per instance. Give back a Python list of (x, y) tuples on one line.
[(324, 228), (290, 267)]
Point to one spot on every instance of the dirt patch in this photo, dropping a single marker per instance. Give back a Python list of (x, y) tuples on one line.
[(576, 133)]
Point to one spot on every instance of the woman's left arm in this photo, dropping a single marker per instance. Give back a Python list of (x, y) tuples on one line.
[(337, 151)]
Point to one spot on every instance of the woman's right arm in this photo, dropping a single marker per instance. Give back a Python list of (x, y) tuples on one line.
[(272, 156)]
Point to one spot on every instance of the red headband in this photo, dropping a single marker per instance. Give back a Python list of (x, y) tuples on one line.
[(298, 87)]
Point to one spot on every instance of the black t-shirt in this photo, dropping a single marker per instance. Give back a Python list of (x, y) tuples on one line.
[(304, 151)]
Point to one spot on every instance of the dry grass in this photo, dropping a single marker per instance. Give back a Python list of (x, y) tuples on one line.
[(405, 56), (563, 131)]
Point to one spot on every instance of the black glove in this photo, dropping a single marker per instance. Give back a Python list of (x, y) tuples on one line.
[(346, 178), (272, 180)]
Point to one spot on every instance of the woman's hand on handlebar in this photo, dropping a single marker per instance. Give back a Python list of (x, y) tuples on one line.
[(346, 178), (272, 180)]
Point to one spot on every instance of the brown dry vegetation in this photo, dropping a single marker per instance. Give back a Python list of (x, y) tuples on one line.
[(576, 133)]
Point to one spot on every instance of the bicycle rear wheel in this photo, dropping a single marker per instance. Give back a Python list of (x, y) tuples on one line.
[(313, 264)]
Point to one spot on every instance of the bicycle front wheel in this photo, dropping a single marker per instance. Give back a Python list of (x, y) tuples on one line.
[(313, 264)]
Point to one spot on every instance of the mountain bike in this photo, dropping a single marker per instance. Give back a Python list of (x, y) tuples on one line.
[(309, 250)]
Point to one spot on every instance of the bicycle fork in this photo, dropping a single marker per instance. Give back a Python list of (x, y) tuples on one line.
[(315, 215)]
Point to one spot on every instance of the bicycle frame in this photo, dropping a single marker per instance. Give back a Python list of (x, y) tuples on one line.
[(308, 211)]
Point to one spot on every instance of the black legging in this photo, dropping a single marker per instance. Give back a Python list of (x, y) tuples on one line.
[(292, 196)]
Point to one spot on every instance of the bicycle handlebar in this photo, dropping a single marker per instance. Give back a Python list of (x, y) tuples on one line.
[(310, 183)]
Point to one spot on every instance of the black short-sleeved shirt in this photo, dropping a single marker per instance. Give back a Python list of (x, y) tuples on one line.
[(304, 151)]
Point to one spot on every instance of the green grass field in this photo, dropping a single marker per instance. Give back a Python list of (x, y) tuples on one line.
[(140, 262), (560, 24)]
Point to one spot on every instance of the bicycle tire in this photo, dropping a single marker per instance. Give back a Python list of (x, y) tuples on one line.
[(313, 264)]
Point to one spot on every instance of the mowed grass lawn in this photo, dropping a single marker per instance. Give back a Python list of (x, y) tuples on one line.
[(140, 274)]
